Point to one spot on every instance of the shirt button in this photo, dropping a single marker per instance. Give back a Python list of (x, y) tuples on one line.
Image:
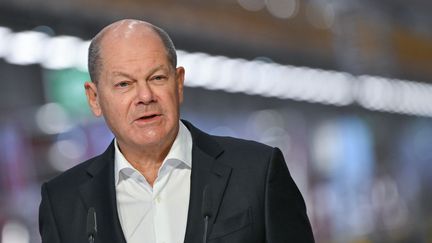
[(157, 199)]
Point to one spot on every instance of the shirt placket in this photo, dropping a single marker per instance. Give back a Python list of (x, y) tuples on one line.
[(161, 225)]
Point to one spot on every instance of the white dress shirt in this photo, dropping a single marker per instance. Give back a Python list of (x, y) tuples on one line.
[(155, 214)]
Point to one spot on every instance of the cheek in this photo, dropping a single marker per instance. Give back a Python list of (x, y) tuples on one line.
[(180, 94), (172, 101), (177, 94), (113, 107)]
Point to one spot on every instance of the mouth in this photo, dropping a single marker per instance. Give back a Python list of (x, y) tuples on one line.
[(148, 117)]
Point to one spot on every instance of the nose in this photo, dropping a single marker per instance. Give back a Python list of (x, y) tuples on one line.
[(145, 93)]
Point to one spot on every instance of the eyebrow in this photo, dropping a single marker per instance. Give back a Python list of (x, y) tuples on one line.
[(123, 74)]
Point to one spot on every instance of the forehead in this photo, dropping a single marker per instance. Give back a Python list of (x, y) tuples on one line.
[(127, 45)]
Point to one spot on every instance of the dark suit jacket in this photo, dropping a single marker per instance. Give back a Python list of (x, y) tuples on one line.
[(254, 199)]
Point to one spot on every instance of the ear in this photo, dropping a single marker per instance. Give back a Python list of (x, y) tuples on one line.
[(180, 76), (93, 98)]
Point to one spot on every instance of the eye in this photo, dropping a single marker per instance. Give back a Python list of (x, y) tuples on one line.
[(159, 77), (122, 84)]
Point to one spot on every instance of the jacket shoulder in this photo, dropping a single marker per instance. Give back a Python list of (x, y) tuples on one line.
[(72, 176), (81, 172), (242, 145), (245, 154), (229, 147)]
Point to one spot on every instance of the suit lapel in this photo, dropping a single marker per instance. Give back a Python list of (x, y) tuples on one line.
[(206, 170), (99, 192)]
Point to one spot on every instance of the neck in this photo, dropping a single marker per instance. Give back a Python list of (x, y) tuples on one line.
[(146, 160)]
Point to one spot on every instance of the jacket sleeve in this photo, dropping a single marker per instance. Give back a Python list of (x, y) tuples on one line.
[(285, 210), (47, 224)]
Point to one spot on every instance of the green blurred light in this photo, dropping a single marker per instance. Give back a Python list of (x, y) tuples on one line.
[(66, 87)]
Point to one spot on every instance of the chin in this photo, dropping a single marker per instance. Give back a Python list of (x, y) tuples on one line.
[(152, 140)]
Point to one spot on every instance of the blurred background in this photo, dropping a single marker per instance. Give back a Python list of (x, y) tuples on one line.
[(343, 87)]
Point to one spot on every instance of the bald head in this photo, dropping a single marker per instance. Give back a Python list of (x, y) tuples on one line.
[(124, 29)]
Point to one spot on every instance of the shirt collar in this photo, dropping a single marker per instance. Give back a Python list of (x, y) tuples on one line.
[(180, 152)]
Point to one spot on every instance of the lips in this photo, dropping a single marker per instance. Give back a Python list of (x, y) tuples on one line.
[(148, 117)]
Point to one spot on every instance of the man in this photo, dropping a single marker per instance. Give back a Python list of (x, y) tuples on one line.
[(148, 186)]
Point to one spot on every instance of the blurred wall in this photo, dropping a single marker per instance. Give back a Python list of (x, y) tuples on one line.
[(362, 161)]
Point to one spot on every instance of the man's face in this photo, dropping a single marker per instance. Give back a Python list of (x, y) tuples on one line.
[(138, 91)]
